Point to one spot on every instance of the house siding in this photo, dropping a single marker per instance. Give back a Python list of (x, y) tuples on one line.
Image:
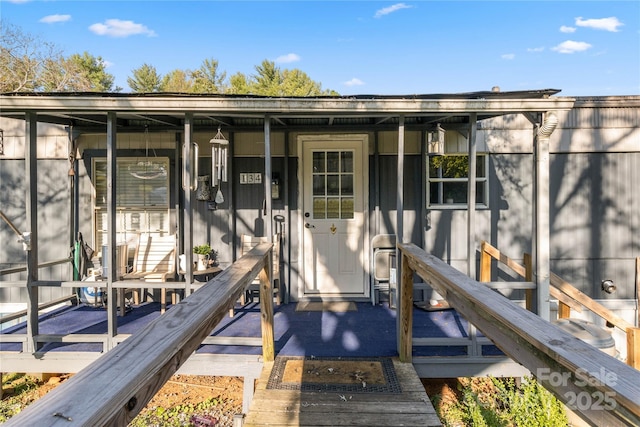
[(594, 176)]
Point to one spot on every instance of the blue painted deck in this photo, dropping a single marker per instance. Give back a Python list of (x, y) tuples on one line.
[(368, 332)]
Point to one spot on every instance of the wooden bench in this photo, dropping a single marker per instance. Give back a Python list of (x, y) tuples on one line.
[(154, 261)]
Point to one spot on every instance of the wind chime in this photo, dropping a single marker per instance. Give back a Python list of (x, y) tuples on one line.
[(219, 148)]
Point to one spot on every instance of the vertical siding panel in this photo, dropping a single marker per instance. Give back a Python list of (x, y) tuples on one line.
[(511, 208)]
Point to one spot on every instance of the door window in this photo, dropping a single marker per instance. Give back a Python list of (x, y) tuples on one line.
[(333, 196)]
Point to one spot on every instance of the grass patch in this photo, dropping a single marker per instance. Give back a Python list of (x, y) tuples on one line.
[(179, 415), (18, 391), (501, 402)]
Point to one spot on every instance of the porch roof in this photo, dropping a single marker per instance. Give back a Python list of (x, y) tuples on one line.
[(166, 111)]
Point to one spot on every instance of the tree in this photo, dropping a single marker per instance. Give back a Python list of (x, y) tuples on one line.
[(298, 83), (145, 79), (63, 75), (207, 79), (272, 81), (269, 79), (22, 57), (29, 64), (238, 84), (93, 68), (177, 81)]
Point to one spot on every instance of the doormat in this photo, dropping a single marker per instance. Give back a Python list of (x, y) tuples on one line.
[(334, 306), (374, 375)]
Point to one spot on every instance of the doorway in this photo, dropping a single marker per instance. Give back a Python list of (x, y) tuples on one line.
[(334, 178)]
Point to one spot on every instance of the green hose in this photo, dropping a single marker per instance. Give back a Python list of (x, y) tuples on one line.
[(76, 260)]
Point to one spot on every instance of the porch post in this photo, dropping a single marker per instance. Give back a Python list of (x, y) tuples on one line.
[(471, 198), (187, 180), (31, 241), (400, 187), (112, 300), (404, 310), (541, 217), (268, 214), (474, 350)]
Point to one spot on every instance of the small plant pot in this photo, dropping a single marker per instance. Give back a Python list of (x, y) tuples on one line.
[(203, 262)]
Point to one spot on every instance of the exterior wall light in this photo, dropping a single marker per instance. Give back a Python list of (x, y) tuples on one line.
[(608, 286)]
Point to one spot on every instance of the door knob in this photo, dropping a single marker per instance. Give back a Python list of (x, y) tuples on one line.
[(309, 225)]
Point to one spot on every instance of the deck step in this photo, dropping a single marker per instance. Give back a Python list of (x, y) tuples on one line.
[(286, 407)]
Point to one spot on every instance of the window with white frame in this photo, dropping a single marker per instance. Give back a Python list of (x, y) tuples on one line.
[(142, 197), (447, 181)]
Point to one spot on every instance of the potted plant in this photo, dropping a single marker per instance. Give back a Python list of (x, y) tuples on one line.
[(203, 252)]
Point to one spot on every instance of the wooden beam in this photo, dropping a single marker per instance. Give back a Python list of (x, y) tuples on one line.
[(485, 263), (597, 308), (118, 385), (638, 291), (21, 313), (495, 253), (528, 276), (633, 347), (31, 240), (405, 314), (266, 307), (510, 285), (545, 349)]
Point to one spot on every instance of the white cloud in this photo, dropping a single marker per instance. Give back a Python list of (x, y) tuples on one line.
[(565, 29), (19, 1), (118, 28), (289, 57), (354, 82), (571, 46), (535, 49), (607, 24), (387, 10), (508, 56), (52, 19)]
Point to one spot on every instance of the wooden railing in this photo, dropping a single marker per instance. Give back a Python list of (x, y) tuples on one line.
[(43, 306), (568, 296), (114, 388), (21, 268), (600, 388)]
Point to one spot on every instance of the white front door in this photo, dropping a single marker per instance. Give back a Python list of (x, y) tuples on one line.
[(334, 177)]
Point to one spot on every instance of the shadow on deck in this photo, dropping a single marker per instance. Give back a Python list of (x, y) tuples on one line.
[(368, 331)]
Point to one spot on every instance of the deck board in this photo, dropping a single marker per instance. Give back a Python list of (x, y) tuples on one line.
[(411, 407)]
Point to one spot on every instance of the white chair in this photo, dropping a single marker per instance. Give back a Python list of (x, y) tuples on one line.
[(155, 261), (247, 243), (383, 249)]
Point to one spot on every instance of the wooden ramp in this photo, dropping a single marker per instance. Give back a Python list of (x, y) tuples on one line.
[(339, 392)]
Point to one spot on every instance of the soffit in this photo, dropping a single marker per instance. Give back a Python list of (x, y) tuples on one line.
[(157, 112)]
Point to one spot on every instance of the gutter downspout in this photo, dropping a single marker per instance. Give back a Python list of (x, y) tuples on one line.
[(541, 218)]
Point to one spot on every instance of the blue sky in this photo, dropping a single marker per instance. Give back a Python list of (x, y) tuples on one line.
[(584, 48)]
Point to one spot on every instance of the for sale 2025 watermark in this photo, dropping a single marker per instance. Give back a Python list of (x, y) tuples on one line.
[(591, 398)]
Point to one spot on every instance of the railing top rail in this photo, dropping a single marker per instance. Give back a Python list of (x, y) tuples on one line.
[(563, 286), (21, 268), (538, 345), (113, 389)]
